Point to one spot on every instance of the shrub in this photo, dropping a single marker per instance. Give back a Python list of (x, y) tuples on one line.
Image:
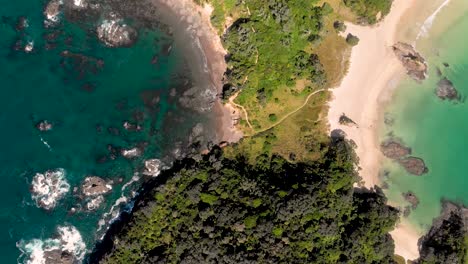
[(352, 40)]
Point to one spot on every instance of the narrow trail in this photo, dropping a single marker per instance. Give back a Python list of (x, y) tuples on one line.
[(231, 101), (290, 113)]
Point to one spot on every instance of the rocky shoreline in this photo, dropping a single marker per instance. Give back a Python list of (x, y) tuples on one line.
[(397, 151)]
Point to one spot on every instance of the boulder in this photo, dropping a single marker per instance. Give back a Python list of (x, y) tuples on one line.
[(131, 153), (57, 256), (413, 62), (152, 167), (446, 90), (44, 125), (413, 165), (344, 120), (393, 149), (412, 199), (116, 34), (52, 10), (94, 186)]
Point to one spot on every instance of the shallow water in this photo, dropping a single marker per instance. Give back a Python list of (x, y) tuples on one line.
[(436, 130), (87, 94)]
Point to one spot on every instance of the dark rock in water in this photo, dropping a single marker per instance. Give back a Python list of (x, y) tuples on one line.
[(57, 256), (344, 120), (113, 33), (413, 165), (21, 24), (44, 125), (412, 199), (199, 100), (446, 65), (93, 186), (414, 63), (88, 87), (406, 211), (393, 149), (445, 241), (113, 131), (438, 72), (446, 90), (131, 127), (155, 59)]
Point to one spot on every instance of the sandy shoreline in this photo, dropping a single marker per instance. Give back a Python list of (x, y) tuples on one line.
[(194, 34), (373, 75)]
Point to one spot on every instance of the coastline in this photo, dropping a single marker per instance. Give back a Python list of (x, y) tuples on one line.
[(373, 74), (193, 31)]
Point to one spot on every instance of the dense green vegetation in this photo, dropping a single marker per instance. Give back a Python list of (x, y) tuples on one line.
[(221, 210), (369, 10)]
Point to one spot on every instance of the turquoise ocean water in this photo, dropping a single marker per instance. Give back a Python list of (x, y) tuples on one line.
[(87, 96), (436, 130)]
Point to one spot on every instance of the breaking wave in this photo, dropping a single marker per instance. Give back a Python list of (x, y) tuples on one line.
[(68, 246), (427, 25), (48, 188)]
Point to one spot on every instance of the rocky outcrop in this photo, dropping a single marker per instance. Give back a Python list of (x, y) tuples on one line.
[(94, 186), (445, 241), (52, 11), (131, 153), (446, 90), (412, 199), (393, 149), (413, 62), (44, 125), (413, 165), (152, 167), (113, 33), (344, 120), (58, 256), (201, 101)]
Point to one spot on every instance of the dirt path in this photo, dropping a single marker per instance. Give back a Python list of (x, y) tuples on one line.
[(232, 98), (291, 113)]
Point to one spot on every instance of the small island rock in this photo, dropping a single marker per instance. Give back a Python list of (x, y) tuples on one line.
[(394, 150), (114, 34), (412, 199), (446, 90), (44, 125), (413, 62), (94, 186), (413, 165)]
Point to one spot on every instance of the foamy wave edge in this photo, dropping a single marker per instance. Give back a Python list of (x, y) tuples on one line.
[(427, 25), (69, 240)]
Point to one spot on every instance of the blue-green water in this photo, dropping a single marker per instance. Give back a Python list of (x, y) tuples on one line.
[(436, 130), (87, 94)]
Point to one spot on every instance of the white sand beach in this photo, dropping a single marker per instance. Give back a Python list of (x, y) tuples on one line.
[(373, 74)]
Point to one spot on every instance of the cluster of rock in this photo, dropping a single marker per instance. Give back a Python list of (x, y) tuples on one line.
[(93, 188), (44, 125), (413, 62), (395, 150), (115, 33)]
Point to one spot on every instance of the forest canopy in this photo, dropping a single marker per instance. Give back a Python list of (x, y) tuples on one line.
[(221, 210)]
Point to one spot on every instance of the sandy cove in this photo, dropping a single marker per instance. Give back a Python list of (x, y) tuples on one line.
[(373, 75), (192, 30)]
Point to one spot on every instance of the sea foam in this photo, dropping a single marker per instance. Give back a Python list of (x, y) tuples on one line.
[(427, 25), (48, 188), (37, 251)]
